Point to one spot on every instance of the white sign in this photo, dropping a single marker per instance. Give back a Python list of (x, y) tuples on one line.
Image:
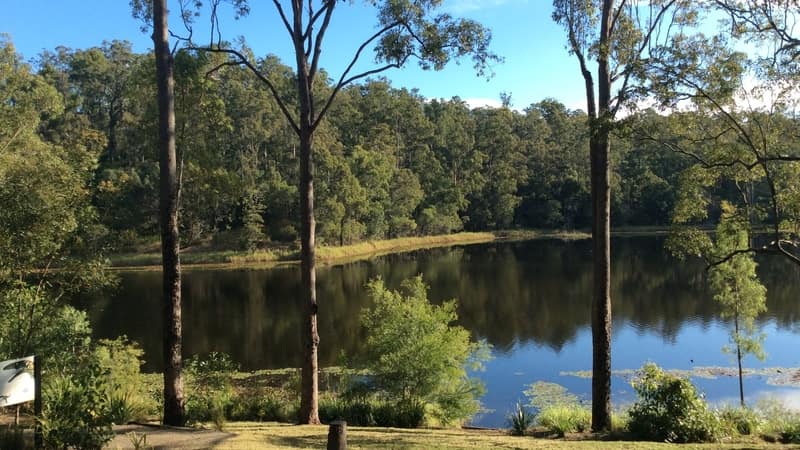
[(16, 381)]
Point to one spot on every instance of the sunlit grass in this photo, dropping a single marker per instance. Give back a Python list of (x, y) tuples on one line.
[(248, 435)]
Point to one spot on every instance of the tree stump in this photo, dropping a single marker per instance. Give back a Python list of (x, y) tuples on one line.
[(337, 435)]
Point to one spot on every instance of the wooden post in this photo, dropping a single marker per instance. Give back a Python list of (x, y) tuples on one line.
[(37, 401), (337, 435)]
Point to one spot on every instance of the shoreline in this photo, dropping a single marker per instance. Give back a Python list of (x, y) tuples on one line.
[(206, 259)]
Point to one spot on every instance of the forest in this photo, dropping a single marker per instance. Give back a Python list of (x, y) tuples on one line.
[(390, 163)]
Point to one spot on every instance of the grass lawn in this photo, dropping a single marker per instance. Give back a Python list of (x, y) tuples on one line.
[(249, 435)]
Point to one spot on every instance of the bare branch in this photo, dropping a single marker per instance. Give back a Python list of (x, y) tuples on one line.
[(343, 79), (627, 72), (329, 5), (341, 84), (734, 253), (242, 60), (283, 17)]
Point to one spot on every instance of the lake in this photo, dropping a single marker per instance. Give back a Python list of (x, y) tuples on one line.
[(530, 300)]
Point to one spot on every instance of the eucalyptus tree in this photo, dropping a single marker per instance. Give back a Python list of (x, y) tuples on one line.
[(406, 30), (169, 192), (619, 36)]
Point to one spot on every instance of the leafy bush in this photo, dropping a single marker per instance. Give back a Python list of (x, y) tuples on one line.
[(557, 409), (565, 418), (75, 409), (780, 420), (211, 395), (743, 421), (415, 356), (520, 420), (791, 433), (263, 406), (125, 384), (373, 412), (669, 409)]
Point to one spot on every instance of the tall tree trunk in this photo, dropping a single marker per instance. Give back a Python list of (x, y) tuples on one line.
[(309, 397), (309, 392), (601, 236), (168, 218)]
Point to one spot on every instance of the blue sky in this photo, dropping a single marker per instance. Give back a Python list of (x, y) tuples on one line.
[(536, 64)]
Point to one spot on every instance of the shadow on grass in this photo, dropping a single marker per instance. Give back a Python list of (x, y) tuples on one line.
[(366, 438)]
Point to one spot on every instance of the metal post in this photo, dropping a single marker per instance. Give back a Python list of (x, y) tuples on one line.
[(37, 401)]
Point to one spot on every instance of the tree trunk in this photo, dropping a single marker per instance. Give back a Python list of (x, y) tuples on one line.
[(601, 236), (309, 377), (168, 218), (601, 285), (309, 395)]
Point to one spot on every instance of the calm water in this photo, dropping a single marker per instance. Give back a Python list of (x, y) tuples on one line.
[(530, 300)]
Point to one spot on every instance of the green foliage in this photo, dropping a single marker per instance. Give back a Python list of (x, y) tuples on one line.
[(59, 334), (267, 406), (211, 394), (735, 284), (669, 409), (415, 355), (557, 409), (565, 418), (371, 411), (743, 421), (520, 419), (124, 382), (780, 420), (75, 410)]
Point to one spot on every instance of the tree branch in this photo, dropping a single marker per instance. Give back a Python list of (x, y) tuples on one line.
[(283, 17), (329, 4), (245, 62), (343, 80)]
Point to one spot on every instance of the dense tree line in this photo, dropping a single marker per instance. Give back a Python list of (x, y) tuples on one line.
[(390, 163)]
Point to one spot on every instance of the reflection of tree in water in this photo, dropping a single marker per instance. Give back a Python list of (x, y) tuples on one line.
[(525, 292)]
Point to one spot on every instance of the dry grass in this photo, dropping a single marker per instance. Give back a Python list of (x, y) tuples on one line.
[(281, 436), (206, 258)]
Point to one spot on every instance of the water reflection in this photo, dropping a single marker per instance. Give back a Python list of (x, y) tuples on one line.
[(511, 294)]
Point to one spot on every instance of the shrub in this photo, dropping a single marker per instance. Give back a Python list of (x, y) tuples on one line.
[(791, 433), (743, 421), (211, 396), (780, 420), (415, 356), (565, 418), (263, 406), (520, 419), (124, 384), (669, 409), (373, 412), (75, 409), (557, 409)]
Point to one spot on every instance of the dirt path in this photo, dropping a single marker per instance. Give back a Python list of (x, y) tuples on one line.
[(127, 437)]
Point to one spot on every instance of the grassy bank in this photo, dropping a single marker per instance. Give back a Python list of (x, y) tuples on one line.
[(211, 258), (280, 436)]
